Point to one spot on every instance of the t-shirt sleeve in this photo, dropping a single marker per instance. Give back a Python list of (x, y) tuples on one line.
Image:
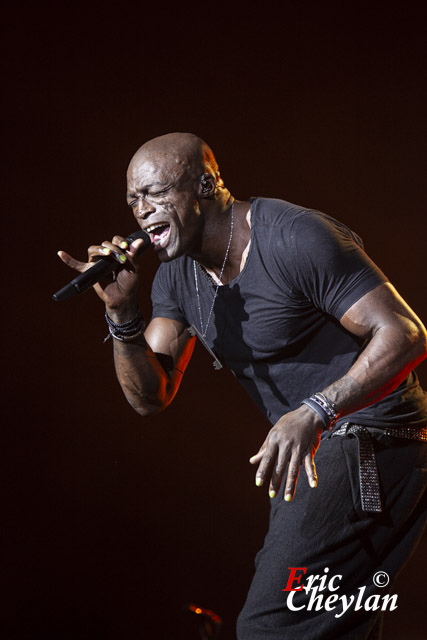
[(330, 266), (163, 296)]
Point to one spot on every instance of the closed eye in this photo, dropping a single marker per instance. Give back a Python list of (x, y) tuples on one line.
[(158, 193), (153, 194)]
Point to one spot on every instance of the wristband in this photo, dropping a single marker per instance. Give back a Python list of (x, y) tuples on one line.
[(324, 408), (126, 331)]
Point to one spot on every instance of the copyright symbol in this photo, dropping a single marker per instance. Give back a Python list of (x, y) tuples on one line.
[(381, 579)]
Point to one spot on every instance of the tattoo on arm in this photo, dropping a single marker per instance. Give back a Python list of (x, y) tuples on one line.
[(347, 394)]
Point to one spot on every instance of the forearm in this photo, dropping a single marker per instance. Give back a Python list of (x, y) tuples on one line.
[(146, 385), (384, 363), (396, 343)]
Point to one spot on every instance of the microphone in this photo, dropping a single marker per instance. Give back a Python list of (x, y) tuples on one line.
[(101, 268)]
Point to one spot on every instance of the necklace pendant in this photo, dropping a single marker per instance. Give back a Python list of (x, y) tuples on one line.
[(193, 331)]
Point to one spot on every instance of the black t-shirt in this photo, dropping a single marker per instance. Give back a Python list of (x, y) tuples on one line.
[(276, 325)]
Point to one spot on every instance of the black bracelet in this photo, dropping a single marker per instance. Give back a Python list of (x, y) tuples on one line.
[(318, 409), (325, 408), (125, 331)]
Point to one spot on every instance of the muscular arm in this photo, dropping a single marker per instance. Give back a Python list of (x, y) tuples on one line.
[(396, 343), (150, 366), (150, 369)]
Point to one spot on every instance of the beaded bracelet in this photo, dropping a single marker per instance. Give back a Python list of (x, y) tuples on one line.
[(126, 331), (324, 408)]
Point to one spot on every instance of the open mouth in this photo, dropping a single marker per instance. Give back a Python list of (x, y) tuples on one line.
[(159, 233)]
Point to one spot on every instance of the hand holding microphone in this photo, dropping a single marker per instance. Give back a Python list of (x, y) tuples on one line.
[(111, 269)]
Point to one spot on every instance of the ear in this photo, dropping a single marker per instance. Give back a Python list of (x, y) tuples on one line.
[(207, 185)]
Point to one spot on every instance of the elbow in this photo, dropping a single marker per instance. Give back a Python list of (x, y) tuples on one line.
[(149, 406), (146, 409), (423, 344), (151, 399), (416, 344), (419, 342), (405, 346)]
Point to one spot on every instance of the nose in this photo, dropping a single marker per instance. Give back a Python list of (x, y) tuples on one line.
[(143, 209)]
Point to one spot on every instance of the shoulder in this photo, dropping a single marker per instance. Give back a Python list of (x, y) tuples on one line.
[(297, 221), (274, 212), (295, 229)]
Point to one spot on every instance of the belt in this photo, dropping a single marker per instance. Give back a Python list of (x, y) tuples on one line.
[(368, 472)]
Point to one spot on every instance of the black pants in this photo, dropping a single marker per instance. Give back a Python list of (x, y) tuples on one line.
[(326, 528)]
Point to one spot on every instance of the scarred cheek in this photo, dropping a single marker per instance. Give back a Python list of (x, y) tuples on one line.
[(169, 208)]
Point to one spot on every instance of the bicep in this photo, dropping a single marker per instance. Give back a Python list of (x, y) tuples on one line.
[(171, 342), (381, 308)]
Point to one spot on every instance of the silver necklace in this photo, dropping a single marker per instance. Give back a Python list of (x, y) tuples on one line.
[(196, 264)]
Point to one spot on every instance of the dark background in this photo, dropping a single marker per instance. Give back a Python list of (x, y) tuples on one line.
[(113, 523)]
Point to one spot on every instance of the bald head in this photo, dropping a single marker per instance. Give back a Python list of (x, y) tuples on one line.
[(182, 153)]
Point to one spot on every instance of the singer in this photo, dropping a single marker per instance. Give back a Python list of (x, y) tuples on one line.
[(285, 297)]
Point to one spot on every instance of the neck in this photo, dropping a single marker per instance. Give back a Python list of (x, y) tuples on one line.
[(212, 253)]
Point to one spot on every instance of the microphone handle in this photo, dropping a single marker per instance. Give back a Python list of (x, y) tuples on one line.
[(101, 268)]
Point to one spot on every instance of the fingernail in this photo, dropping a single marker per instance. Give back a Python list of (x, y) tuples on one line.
[(313, 484), (124, 244), (106, 251), (258, 482), (122, 258), (288, 497), (252, 459), (272, 493)]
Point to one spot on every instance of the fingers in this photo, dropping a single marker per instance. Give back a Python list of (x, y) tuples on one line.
[(131, 249), (292, 474), (257, 457), (120, 242), (107, 249), (267, 460), (278, 472), (267, 456), (118, 248), (273, 461), (292, 477), (275, 457), (310, 469), (72, 262)]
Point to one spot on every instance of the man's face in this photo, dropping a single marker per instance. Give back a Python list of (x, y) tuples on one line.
[(163, 196)]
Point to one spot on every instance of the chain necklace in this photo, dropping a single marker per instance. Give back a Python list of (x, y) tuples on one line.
[(205, 327)]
